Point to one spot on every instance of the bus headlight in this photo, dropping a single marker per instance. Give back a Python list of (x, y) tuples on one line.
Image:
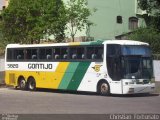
[(130, 82)]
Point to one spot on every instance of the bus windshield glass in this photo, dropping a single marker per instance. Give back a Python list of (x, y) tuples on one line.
[(136, 50), (129, 62), (135, 67)]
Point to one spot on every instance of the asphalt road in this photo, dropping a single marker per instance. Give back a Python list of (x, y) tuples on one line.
[(54, 102)]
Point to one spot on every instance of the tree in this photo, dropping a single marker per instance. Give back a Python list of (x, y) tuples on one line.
[(152, 7), (149, 35), (77, 16), (27, 21)]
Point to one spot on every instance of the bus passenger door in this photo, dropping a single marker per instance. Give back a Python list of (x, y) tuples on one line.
[(115, 73)]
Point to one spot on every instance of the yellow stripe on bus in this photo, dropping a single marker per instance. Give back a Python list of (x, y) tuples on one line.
[(59, 73), (74, 43), (43, 79)]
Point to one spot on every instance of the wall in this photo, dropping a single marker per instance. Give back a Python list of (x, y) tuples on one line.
[(157, 69), (106, 26), (3, 3)]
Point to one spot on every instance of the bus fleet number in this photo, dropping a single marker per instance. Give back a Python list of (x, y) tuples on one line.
[(12, 65)]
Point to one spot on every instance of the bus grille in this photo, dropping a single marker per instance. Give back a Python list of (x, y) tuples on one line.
[(12, 78)]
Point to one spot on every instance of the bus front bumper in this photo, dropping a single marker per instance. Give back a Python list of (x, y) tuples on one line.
[(139, 88)]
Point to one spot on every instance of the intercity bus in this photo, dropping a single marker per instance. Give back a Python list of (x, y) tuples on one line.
[(106, 67)]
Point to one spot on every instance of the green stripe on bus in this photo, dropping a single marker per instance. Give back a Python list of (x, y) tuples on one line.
[(78, 75), (68, 75)]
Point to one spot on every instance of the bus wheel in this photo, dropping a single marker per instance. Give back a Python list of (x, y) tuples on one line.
[(31, 84), (103, 88), (22, 84)]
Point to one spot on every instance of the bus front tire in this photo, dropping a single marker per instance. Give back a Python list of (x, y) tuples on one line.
[(31, 84), (103, 88)]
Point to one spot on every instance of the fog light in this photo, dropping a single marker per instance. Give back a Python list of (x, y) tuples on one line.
[(131, 90)]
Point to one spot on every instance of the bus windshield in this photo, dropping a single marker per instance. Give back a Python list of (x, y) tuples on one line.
[(136, 50), (129, 62), (137, 67)]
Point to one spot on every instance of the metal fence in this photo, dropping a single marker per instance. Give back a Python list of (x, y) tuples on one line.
[(156, 64)]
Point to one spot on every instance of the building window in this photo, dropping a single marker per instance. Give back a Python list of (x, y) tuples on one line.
[(133, 23), (119, 19), (3, 7)]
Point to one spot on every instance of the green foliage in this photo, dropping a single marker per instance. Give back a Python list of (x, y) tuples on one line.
[(27, 21), (152, 8), (149, 35), (77, 16)]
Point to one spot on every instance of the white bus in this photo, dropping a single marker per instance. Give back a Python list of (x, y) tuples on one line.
[(106, 67)]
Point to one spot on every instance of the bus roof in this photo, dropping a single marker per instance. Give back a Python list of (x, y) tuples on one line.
[(99, 42), (125, 42)]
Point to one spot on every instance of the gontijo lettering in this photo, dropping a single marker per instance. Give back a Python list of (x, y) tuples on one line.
[(39, 66)]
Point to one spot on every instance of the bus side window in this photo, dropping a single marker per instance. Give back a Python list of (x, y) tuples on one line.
[(95, 53), (83, 56), (90, 53), (42, 53), (34, 53), (48, 54), (31, 54), (56, 53), (19, 57), (9, 54), (99, 52), (77, 53), (94, 56), (28, 54), (80, 53), (45, 53), (64, 53), (19, 54), (48, 57), (73, 53), (34, 56)]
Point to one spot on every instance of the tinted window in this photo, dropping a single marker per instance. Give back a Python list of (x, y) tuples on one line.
[(45, 53), (64, 53), (95, 53), (136, 50), (31, 53), (56, 53), (60, 53), (77, 53), (113, 50), (42, 53), (114, 61), (48, 54), (9, 54), (18, 54)]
